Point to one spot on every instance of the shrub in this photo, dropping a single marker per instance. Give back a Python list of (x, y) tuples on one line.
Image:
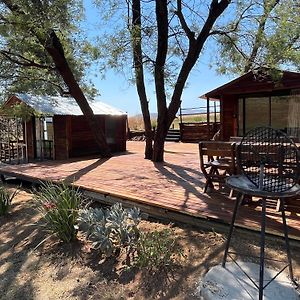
[(59, 205), (157, 250), (110, 229), (6, 198)]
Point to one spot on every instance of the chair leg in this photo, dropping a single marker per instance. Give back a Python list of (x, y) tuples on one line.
[(287, 244), (262, 250), (208, 180), (237, 203)]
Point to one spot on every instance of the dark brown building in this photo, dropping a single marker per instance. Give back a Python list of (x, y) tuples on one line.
[(61, 131), (255, 99)]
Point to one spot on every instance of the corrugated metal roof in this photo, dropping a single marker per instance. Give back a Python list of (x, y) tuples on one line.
[(55, 105)]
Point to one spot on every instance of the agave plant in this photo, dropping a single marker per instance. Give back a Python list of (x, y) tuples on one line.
[(110, 229), (6, 198)]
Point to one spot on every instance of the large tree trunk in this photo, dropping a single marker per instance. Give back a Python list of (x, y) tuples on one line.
[(166, 115), (139, 74), (55, 50), (159, 77)]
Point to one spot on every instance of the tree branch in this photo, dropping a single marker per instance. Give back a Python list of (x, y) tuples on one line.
[(190, 34), (259, 35), (216, 9), (26, 62)]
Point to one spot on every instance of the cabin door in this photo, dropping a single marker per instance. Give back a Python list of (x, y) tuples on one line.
[(44, 137)]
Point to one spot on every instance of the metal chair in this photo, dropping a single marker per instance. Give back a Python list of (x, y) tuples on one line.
[(269, 161)]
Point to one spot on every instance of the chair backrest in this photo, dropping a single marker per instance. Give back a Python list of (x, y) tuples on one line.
[(269, 158), (217, 148)]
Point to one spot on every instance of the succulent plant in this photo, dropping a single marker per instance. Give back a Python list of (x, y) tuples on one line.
[(110, 229)]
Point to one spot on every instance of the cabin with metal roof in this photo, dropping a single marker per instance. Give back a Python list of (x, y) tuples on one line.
[(256, 99), (59, 130)]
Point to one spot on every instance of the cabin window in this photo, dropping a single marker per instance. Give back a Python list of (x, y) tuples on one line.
[(280, 112)]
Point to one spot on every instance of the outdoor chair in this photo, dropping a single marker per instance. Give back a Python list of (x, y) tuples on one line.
[(269, 164), (217, 161)]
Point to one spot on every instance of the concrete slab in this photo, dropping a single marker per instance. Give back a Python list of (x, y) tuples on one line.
[(231, 283)]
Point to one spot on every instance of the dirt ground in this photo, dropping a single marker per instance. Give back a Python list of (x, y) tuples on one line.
[(57, 271)]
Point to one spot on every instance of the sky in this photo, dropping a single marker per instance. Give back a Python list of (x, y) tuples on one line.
[(115, 90)]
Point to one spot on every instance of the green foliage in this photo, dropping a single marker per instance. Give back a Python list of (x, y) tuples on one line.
[(110, 229), (6, 198), (260, 34), (157, 250), (25, 65), (21, 110), (59, 205)]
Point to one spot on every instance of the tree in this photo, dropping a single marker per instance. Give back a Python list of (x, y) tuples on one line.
[(167, 38), (34, 23), (260, 34)]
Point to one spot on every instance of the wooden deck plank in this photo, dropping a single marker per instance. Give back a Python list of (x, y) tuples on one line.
[(175, 185)]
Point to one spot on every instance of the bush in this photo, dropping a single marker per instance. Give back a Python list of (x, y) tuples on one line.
[(110, 229), (59, 205), (157, 250), (6, 198)]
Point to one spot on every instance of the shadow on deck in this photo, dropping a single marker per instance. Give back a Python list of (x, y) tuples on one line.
[(173, 189)]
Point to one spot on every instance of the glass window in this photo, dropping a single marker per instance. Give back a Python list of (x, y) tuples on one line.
[(281, 113), (293, 119), (256, 112)]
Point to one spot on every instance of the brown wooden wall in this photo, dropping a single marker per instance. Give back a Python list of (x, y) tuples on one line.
[(228, 116), (61, 128), (81, 137), (120, 129), (81, 141), (73, 137)]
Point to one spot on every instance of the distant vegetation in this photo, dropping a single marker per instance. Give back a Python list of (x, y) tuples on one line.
[(136, 122)]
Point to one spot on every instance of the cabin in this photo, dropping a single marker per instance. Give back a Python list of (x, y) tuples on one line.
[(256, 99), (58, 130)]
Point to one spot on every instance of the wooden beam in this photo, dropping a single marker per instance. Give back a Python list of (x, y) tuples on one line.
[(207, 117)]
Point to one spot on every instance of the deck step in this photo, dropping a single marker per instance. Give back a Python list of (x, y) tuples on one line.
[(173, 135)]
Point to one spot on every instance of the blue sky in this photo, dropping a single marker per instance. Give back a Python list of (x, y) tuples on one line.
[(116, 91)]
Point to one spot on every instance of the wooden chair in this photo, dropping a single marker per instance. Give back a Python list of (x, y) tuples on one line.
[(217, 161)]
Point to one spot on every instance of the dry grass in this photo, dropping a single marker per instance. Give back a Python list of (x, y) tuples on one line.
[(136, 122)]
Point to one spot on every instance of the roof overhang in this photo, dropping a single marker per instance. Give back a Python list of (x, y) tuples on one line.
[(252, 83)]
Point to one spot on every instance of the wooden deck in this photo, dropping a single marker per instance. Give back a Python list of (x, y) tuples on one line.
[(174, 187)]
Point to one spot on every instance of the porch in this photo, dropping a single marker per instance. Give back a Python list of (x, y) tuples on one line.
[(172, 190)]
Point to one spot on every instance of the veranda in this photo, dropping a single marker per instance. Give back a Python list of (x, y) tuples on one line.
[(172, 190)]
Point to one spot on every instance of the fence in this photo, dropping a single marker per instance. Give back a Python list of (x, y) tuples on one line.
[(12, 143)]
